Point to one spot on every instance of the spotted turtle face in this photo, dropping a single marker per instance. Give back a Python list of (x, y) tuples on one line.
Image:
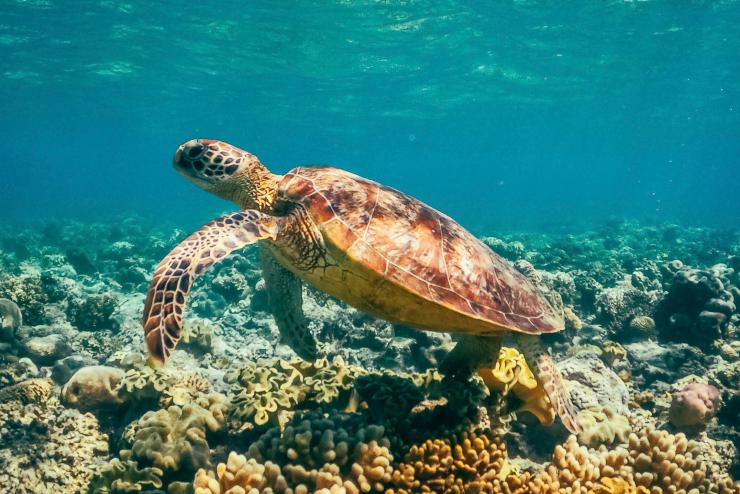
[(207, 162)]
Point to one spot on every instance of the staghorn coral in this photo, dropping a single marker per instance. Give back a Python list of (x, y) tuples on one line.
[(512, 375), (602, 425), (123, 476)]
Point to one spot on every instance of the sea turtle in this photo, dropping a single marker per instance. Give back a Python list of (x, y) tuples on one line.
[(372, 246)]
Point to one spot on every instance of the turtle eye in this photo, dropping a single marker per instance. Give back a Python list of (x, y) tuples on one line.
[(196, 150)]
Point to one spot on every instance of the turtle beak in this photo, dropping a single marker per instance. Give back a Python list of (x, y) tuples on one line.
[(178, 154)]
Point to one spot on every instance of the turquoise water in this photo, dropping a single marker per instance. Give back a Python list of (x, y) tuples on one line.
[(502, 114)]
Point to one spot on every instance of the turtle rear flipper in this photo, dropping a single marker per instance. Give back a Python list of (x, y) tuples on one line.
[(547, 373), (168, 291), (285, 299)]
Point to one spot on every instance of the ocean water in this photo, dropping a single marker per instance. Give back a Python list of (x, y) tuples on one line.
[(594, 146), (502, 114)]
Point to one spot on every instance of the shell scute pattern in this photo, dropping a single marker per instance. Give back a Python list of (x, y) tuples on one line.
[(419, 248)]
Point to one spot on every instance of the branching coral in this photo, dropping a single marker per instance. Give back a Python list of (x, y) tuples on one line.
[(240, 475), (469, 462)]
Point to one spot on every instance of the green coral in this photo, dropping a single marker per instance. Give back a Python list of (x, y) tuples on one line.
[(174, 440), (123, 476), (270, 392), (144, 383), (315, 438), (602, 425), (197, 335), (27, 291), (93, 313)]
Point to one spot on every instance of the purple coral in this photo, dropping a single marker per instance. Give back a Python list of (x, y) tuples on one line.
[(695, 404)]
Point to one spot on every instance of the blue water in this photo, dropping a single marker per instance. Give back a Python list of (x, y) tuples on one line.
[(502, 114)]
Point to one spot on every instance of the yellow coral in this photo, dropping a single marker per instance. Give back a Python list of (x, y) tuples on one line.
[(240, 475), (602, 425), (469, 462), (175, 438), (511, 374)]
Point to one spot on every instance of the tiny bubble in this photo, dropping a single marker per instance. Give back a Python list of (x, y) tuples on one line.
[(412, 137)]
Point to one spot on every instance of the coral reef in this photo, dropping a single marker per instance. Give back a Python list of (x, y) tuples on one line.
[(235, 412)]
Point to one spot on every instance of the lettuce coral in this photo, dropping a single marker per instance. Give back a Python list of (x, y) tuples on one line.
[(512, 375)]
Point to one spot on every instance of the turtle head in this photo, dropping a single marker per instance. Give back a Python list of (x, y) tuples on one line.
[(228, 172)]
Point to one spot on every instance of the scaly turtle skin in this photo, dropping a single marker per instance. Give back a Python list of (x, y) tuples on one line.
[(372, 246)]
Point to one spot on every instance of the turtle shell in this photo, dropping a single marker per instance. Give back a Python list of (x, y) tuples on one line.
[(417, 248)]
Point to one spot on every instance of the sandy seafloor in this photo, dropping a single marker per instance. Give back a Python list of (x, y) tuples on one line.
[(650, 353)]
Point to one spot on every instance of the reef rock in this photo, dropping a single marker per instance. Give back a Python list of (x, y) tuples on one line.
[(696, 309), (593, 384), (94, 388), (45, 350), (10, 320)]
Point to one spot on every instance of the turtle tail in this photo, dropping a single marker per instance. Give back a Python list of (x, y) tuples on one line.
[(548, 375)]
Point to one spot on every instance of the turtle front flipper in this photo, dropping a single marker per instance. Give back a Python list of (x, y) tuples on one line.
[(285, 299), (168, 291), (543, 367)]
